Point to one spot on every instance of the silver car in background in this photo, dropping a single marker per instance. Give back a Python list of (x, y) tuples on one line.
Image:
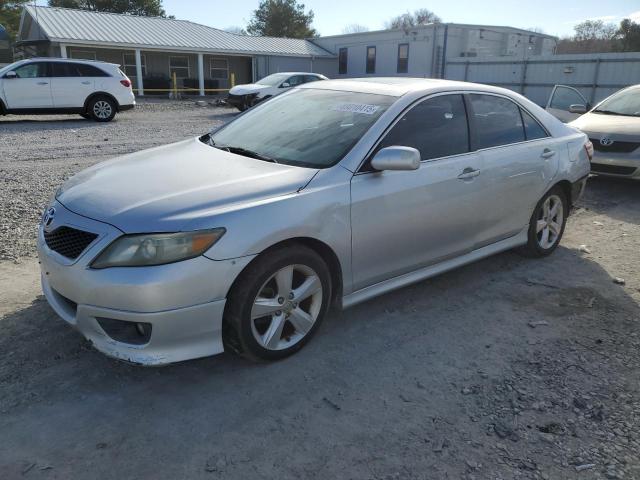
[(613, 126), (329, 194)]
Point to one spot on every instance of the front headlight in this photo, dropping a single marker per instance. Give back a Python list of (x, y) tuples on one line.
[(156, 248)]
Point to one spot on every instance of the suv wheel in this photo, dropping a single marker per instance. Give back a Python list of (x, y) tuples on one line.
[(102, 109)]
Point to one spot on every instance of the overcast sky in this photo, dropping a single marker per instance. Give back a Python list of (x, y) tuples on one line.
[(555, 17)]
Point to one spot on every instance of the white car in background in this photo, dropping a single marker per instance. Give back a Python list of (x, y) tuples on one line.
[(246, 96), (96, 90), (613, 126)]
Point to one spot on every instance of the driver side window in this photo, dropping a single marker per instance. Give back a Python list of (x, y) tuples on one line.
[(295, 80), (437, 127)]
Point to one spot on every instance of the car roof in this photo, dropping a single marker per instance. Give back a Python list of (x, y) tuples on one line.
[(56, 59), (295, 73), (399, 86)]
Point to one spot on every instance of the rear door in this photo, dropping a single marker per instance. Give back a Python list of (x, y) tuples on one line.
[(31, 88), (519, 159), (72, 83), (560, 101), (404, 220)]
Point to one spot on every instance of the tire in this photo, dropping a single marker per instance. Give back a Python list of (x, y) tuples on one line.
[(102, 109), (242, 107), (544, 239), (269, 286)]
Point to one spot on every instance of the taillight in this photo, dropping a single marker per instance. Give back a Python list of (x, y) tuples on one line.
[(589, 149), (126, 83)]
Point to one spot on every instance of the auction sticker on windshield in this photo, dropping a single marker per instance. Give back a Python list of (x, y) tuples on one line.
[(357, 108)]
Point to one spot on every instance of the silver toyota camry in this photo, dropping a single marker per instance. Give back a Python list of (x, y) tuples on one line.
[(328, 195)]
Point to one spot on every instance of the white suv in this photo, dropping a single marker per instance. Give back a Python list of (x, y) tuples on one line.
[(92, 89)]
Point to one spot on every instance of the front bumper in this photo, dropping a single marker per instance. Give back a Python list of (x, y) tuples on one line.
[(181, 305), (621, 165)]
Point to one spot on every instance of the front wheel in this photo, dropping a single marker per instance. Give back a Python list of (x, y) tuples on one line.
[(277, 304), (102, 109), (547, 224)]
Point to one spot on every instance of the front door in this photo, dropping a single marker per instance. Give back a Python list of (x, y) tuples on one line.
[(560, 102), (30, 88), (404, 220)]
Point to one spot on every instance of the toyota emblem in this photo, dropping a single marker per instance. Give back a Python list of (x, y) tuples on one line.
[(606, 142), (47, 218)]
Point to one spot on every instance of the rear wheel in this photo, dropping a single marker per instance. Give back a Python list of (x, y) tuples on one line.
[(277, 304), (547, 224), (102, 109)]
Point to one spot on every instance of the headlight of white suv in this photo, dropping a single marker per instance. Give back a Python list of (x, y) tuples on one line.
[(156, 248)]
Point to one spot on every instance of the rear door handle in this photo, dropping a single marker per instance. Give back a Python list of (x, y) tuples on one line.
[(468, 173), (86, 83), (43, 83), (548, 153)]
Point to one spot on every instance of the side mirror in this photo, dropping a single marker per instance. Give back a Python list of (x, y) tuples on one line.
[(285, 85), (578, 108), (10, 75), (396, 158)]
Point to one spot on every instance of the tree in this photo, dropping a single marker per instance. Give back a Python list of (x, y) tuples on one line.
[(150, 8), (281, 18), (594, 30), (421, 16), (629, 35), (355, 28), (10, 13)]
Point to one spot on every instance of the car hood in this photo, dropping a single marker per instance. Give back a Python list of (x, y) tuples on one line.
[(176, 187), (621, 127), (248, 88)]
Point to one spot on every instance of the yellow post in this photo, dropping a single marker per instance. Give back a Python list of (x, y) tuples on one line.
[(175, 86), (233, 79)]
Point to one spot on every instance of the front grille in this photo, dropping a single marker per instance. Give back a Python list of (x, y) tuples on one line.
[(615, 147), (68, 241), (612, 169)]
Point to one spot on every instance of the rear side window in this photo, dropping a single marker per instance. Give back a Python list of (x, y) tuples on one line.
[(310, 78), (437, 127), (497, 121), (532, 129), (89, 70)]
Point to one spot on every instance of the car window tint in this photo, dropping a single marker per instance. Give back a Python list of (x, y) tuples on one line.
[(32, 70), (532, 128), (296, 80), (310, 78), (564, 97), (89, 70), (436, 127), (497, 121), (59, 69)]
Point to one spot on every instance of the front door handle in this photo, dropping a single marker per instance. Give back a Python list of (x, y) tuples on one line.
[(43, 83), (86, 83), (547, 153), (468, 173)]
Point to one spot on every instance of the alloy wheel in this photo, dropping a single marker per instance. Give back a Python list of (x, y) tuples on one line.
[(549, 224), (286, 307), (102, 109)]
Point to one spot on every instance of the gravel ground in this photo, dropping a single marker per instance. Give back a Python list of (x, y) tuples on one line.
[(508, 368)]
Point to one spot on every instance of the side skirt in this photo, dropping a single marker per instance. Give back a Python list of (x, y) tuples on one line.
[(433, 270)]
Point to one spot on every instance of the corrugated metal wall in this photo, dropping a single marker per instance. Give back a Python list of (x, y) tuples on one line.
[(596, 75)]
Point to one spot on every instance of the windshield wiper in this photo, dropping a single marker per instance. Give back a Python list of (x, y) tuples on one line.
[(611, 112), (243, 151)]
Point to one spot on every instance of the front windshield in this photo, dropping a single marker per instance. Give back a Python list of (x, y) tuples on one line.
[(273, 80), (308, 127), (626, 102)]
